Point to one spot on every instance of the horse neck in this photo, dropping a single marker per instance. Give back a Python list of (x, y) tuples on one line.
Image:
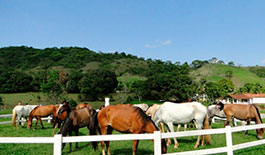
[(150, 127)]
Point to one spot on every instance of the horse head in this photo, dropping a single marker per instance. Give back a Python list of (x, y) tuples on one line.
[(64, 107), (220, 105)]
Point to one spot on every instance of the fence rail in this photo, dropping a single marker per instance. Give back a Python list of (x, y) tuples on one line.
[(57, 140)]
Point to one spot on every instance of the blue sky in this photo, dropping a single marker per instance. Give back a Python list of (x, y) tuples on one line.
[(174, 30)]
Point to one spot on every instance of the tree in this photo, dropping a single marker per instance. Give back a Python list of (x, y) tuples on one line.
[(231, 63), (170, 86), (13, 81), (72, 84), (197, 64), (229, 74), (212, 91), (225, 87), (52, 87), (138, 88), (97, 83)]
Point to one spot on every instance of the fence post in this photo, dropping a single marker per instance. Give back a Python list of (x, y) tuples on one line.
[(157, 143), (57, 146), (229, 142)]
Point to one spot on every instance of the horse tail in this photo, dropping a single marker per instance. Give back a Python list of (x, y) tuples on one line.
[(258, 113), (94, 128), (14, 115), (207, 126)]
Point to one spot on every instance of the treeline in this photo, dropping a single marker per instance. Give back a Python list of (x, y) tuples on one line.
[(30, 59), (94, 75)]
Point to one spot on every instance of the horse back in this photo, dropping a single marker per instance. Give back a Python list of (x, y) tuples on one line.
[(81, 117), (123, 118), (44, 110), (240, 111)]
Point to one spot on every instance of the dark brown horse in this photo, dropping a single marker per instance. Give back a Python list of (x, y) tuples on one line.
[(41, 111), (82, 105), (85, 117), (126, 119), (248, 112)]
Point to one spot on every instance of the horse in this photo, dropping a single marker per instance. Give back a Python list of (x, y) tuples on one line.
[(41, 111), (151, 112), (172, 113), (82, 105), (143, 106), (213, 110), (125, 118), (77, 119), (248, 112), (58, 119), (20, 111)]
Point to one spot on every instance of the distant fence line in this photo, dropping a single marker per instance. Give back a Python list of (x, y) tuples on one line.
[(57, 140)]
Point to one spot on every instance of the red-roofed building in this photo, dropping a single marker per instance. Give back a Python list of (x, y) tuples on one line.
[(247, 98)]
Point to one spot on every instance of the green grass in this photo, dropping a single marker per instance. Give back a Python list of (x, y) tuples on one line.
[(118, 147), (128, 79), (216, 72)]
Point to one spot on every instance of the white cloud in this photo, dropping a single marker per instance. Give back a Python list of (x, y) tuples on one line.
[(158, 43), (263, 61)]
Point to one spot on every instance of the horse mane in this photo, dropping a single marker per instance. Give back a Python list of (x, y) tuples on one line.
[(143, 116)]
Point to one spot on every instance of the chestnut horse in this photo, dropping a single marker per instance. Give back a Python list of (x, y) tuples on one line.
[(248, 112), (41, 111), (77, 119), (125, 118), (82, 105)]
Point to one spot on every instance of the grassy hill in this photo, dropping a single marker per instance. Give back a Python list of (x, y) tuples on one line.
[(216, 72)]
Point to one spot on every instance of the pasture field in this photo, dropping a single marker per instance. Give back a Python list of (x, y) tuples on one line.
[(118, 147)]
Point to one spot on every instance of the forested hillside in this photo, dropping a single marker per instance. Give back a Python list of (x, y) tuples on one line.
[(58, 71)]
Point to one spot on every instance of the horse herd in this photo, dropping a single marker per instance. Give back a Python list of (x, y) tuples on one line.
[(136, 119)]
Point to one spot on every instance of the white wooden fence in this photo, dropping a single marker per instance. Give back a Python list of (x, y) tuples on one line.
[(57, 140)]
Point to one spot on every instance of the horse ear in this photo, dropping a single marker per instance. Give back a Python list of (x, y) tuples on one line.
[(220, 105)]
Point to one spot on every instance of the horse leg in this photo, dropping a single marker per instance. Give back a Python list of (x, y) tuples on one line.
[(41, 123), (228, 119), (103, 132), (179, 126), (135, 146), (76, 134), (248, 122), (161, 125), (36, 123), (185, 127), (109, 132), (70, 144), (233, 122), (56, 125), (171, 129)]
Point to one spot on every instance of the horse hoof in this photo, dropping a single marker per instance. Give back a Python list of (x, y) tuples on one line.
[(176, 146)]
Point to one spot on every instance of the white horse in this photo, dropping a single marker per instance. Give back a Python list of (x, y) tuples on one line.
[(20, 111), (172, 113), (143, 106)]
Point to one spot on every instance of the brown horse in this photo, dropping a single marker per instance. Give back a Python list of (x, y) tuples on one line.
[(58, 119), (77, 119), (41, 111), (82, 105), (248, 112), (125, 119)]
